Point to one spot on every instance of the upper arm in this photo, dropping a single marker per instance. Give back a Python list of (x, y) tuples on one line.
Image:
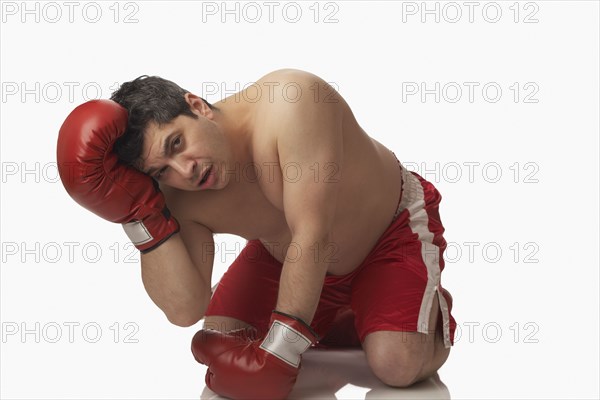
[(310, 150)]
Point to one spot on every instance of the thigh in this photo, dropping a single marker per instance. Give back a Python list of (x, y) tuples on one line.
[(398, 293), (396, 289), (334, 320), (401, 358), (393, 294), (247, 292)]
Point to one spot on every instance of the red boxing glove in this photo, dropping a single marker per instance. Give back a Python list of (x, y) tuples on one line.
[(242, 368), (93, 176)]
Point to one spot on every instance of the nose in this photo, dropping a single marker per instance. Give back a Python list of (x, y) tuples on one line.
[(187, 168)]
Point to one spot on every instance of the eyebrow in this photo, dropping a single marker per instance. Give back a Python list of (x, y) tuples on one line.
[(164, 151)]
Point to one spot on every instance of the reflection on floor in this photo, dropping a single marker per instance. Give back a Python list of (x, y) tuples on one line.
[(345, 374)]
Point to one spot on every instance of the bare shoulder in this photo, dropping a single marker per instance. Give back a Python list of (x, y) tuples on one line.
[(286, 98), (295, 88), (288, 74)]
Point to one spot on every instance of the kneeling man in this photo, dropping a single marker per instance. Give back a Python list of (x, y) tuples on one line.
[(345, 246)]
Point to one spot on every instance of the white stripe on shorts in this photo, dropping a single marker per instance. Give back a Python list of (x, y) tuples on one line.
[(413, 200)]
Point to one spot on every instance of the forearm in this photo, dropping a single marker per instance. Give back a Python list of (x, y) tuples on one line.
[(174, 283), (302, 277)]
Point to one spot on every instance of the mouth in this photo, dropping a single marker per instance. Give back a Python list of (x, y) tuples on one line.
[(205, 176)]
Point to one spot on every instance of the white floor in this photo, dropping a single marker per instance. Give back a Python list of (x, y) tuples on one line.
[(344, 374)]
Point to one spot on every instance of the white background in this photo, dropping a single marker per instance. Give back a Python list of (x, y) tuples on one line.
[(532, 309)]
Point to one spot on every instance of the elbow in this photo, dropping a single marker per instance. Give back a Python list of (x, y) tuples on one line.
[(185, 320), (187, 316), (188, 311)]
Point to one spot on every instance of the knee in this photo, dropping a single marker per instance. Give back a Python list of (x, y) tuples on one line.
[(395, 370)]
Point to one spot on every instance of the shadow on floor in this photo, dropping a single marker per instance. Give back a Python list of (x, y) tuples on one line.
[(345, 374)]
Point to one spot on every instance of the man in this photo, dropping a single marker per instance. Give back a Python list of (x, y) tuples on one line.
[(343, 242)]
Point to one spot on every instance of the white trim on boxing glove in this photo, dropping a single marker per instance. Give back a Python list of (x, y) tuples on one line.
[(136, 232), (285, 343)]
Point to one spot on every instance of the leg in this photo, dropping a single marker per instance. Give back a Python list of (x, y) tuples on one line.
[(247, 292), (222, 323), (403, 358), (341, 333), (396, 298)]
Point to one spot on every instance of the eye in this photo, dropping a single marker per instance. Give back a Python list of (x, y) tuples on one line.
[(176, 143)]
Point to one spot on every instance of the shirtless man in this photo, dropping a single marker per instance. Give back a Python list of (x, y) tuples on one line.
[(337, 229)]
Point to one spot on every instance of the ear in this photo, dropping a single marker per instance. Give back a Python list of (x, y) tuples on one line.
[(198, 106)]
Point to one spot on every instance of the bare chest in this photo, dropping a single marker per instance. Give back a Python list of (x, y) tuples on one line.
[(253, 206)]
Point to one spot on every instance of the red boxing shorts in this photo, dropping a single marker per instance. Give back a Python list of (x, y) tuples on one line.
[(391, 290)]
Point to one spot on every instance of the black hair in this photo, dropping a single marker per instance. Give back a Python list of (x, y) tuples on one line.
[(147, 99)]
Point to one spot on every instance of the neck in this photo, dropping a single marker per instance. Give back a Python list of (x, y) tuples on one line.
[(235, 117)]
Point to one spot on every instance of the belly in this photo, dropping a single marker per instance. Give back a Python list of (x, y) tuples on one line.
[(353, 242), (362, 216)]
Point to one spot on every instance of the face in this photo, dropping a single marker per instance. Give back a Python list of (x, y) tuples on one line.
[(187, 153)]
